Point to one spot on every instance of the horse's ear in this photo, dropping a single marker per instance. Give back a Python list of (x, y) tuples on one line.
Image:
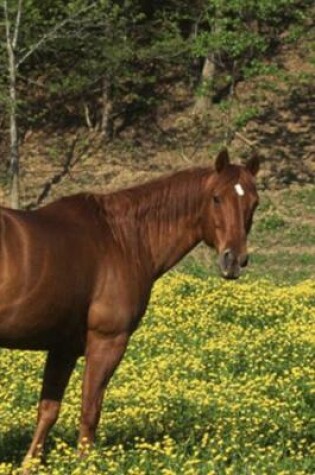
[(222, 160), (253, 164)]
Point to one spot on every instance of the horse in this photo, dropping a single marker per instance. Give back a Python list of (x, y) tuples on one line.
[(76, 275)]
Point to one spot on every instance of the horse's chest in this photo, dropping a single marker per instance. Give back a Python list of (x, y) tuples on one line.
[(119, 306)]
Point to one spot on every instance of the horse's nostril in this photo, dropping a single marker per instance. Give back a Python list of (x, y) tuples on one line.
[(244, 261), (228, 258)]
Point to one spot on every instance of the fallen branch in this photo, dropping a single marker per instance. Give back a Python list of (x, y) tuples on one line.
[(245, 140)]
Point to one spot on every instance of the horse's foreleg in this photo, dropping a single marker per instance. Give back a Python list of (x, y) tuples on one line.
[(57, 373), (102, 358)]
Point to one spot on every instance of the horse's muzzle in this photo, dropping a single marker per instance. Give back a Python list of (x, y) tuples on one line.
[(229, 264)]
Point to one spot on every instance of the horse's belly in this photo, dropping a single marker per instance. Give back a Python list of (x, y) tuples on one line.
[(36, 327), (38, 342)]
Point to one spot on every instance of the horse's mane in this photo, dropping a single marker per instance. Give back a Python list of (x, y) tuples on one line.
[(160, 202), (175, 194)]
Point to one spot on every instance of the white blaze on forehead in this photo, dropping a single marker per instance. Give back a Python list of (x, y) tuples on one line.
[(239, 189)]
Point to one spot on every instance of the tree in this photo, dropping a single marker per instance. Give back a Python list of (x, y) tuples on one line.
[(12, 33), (234, 34), (116, 64), (16, 56)]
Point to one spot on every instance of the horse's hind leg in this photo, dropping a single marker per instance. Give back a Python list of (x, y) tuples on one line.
[(57, 373)]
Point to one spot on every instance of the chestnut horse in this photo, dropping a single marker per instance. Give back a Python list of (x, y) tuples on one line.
[(76, 275)]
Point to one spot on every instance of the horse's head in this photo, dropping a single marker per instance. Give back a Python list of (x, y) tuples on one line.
[(228, 213)]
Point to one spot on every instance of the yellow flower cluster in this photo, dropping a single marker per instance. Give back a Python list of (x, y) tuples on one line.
[(219, 379)]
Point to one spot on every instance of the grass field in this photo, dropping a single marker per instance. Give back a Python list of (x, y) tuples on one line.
[(219, 379)]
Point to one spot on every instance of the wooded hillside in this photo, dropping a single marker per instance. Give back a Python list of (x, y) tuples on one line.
[(95, 93)]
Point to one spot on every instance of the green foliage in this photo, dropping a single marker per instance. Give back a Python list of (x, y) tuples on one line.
[(240, 34), (258, 67), (245, 116), (70, 48), (67, 50)]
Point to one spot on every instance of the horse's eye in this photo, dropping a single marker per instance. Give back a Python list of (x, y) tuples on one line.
[(216, 199)]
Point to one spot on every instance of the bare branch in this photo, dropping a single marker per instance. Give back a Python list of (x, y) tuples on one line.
[(52, 33), (7, 22), (246, 140), (87, 116), (17, 25)]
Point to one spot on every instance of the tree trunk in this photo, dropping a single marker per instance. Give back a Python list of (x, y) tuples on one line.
[(11, 40), (14, 143), (203, 101), (106, 124)]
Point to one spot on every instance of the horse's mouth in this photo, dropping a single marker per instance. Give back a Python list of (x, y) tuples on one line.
[(231, 274)]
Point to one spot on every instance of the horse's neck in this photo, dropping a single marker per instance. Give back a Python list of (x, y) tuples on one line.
[(173, 230), (167, 247), (156, 224)]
